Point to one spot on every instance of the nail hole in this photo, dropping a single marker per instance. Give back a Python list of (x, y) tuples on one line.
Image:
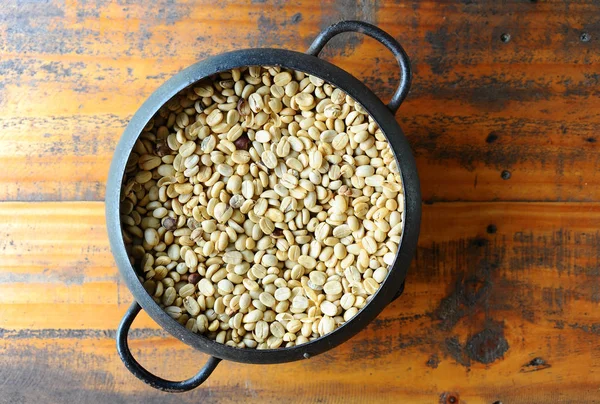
[(492, 137), (491, 229), (591, 140), (505, 175), (505, 37), (450, 398), (585, 37)]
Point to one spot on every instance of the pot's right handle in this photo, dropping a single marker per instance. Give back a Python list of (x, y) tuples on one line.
[(386, 39), (141, 373)]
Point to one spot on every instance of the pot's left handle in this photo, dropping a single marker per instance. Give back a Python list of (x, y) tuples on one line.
[(147, 377)]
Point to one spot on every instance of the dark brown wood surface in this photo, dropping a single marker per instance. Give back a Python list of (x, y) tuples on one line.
[(502, 303)]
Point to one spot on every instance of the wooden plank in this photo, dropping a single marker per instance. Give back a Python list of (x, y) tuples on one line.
[(63, 165), (95, 374), (485, 273), (89, 31), (478, 106)]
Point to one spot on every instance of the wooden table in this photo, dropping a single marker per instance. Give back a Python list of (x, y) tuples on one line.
[(502, 303)]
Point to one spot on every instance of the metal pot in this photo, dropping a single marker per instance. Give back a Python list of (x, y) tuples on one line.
[(308, 62)]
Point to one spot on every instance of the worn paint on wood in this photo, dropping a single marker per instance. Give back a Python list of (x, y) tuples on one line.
[(502, 299)]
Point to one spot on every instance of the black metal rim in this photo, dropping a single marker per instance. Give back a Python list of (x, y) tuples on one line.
[(330, 73)]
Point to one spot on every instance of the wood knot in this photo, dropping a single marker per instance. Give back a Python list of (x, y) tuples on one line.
[(487, 346)]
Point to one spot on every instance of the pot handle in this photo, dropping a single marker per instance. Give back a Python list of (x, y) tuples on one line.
[(384, 38), (144, 375)]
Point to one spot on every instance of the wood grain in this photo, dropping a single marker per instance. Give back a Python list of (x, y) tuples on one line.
[(501, 303), (525, 272)]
